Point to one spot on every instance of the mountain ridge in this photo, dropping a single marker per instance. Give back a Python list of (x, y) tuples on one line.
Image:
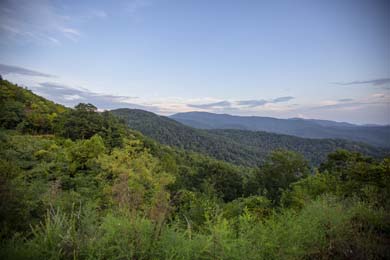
[(237, 146), (306, 128)]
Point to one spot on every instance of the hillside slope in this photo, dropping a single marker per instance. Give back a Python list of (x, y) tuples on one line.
[(237, 146), (79, 184), (307, 128)]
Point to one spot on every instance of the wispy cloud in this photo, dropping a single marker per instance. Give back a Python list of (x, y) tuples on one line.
[(71, 96), (55, 22), (63, 92), (329, 109), (44, 22), (220, 104), (35, 21), (352, 104), (345, 100), (240, 104), (7, 69), (374, 82), (281, 99), (262, 102), (252, 103), (53, 40), (70, 33)]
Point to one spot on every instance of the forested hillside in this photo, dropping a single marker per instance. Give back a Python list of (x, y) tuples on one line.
[(241, 147), (79, 184), (307, 128)]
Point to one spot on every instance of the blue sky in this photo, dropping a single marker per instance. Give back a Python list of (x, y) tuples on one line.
[(312, 59)]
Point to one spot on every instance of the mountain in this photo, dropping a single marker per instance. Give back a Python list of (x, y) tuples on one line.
[(29, 113), (307, 128), (241, 147), (76, 183)]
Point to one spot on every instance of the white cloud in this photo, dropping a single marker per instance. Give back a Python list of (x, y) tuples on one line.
[(8, 69), (43, 21), (53, 40), (374, 107), (72, 97), (71, 33), (53, 22), (378, 95), (35, 21)]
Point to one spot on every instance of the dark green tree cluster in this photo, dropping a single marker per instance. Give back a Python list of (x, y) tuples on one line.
[(83, 122), (88, 187), (23, 110), (32, 114), (241, 147)]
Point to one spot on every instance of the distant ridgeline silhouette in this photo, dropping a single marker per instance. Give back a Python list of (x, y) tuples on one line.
[(237, 146), (308, 128)]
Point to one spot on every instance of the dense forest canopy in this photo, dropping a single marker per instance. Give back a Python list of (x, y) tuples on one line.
[(243, 147), (80, 184), (377, 135)]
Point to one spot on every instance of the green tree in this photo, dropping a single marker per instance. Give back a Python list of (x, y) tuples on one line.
[(280, 169)]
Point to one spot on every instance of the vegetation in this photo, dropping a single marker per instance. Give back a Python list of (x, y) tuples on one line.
[(241, 147), (81, 185), (376, 135)]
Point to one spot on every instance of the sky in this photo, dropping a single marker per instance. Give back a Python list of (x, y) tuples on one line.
[(323, 59)]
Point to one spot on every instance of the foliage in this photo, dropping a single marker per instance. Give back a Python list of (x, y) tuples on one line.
[(84, 186), (84, 122), (241, 147), (22, 109), (376, 135)]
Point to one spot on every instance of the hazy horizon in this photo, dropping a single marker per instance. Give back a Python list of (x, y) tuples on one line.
[(327, 60)]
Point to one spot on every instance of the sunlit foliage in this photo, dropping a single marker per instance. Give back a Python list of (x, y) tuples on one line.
[(78, 184)]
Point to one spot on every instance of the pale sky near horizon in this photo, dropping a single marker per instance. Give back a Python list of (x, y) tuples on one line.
[(325, 59)]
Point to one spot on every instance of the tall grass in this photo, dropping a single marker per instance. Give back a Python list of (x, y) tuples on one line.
[(324, 229)]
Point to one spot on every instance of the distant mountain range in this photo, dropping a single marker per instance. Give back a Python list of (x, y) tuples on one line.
[(307, 128), (242, 147)]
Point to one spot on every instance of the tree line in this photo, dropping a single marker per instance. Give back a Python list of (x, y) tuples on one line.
[(79, 184)]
